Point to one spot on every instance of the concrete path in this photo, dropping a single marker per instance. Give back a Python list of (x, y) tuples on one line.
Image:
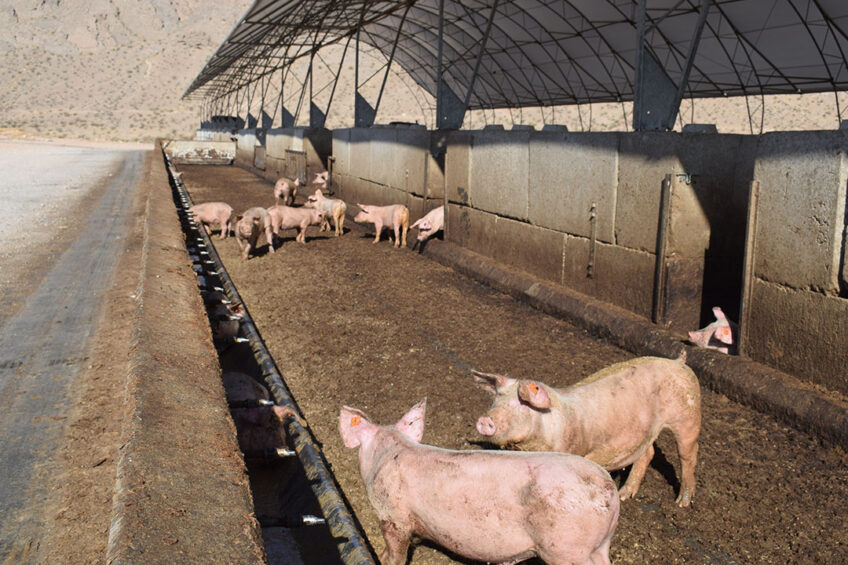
[(51, 290)]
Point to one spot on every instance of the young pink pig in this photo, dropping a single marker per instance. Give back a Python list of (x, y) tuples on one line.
[(214, 214), (285, 190), (249, 225), (612, 417), (286, 217), (491, 506), (332, 208), (718, 335), (396, 216), (432, 222)]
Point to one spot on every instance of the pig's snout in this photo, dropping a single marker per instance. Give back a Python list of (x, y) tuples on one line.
[(486, 426)]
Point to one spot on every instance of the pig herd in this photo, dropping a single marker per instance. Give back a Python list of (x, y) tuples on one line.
[(549, 493), (318, 210)]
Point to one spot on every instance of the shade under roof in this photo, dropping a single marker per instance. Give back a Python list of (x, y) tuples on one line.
[(554, 52)]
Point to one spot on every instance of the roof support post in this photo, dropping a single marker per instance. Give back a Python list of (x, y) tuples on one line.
[(482, 50), (363, 113), (657, 98), (448, 105), (336, 81), (391, 57), (690, 60), (316, 116)]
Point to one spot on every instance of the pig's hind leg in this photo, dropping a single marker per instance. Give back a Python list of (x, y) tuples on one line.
[(686, 434), (637, 473)]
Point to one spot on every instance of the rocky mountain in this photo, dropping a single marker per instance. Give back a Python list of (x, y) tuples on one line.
[(116, 69)]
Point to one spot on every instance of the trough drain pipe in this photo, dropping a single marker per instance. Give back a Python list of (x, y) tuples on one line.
[(352, 545)]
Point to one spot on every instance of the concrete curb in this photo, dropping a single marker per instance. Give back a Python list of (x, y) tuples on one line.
[(181, 492), (753, 384)]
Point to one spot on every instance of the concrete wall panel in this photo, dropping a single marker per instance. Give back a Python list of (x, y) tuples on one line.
[(568, 173), (803, 333), (535, 250), (413, 149), (341, 152), (644, 161), (499, 172), (458, 167), (360, 153), (801, 218), (472, 229)]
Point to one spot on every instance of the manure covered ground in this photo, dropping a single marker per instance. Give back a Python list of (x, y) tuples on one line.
[(377, 328)]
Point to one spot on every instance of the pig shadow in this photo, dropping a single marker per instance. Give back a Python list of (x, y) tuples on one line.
[(458, 558), (659, 464)]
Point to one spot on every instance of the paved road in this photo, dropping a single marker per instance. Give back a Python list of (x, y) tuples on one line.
[(84, 195)]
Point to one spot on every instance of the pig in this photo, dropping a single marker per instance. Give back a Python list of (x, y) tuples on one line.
[(286, 217), (432, 222), (248, 226), (285, 191), (321, 180), (214, 214), (611, 417), (396, 216), (719, 335), (332, 208), (258, 428), (491, 506), (225, 320)]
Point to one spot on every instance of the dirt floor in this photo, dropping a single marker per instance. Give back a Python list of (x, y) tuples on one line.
[(377, 328)]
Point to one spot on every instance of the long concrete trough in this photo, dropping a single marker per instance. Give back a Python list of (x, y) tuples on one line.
[(182, 492)]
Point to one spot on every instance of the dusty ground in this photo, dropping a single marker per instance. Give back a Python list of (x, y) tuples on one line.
[(376, 328)]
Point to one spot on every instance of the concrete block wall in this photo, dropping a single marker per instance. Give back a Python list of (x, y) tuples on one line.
[(246, 146), (316, 142), (386, 165), (799, 315), (583, 210), (563, 182)]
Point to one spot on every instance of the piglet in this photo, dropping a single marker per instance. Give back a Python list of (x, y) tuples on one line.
[(332, 208), (286, 217), (396, 216), (491, 506), (248, 227), (432, 222), (285, 191), (718, 335), (216, 214), (611, 417), (258, 427)]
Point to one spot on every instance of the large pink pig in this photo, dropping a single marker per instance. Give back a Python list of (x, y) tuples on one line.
[(718, 335), (492, 506), (611, 417), (396, 216), (248, 227), (432, 222), (216, 214), (286, 217)]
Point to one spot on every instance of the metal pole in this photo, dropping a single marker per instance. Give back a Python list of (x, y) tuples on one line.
[(660, 271), (748, 269), (439, 101)]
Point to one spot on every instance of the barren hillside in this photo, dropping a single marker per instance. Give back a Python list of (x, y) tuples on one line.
[(116, 69)]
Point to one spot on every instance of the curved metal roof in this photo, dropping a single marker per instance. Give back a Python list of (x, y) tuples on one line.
[(551, 52)]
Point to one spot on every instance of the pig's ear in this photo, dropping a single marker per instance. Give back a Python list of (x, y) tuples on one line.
[(724, 334), (534, 394), (412, 423), (352, 423), (719, 313), (490, 381), (239, 217)]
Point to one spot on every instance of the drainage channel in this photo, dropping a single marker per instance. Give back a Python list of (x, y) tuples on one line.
[(303, 515)]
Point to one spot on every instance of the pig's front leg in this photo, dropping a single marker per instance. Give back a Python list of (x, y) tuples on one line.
[(637, 473), (378, 228), (397, 543), (269, 235)]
